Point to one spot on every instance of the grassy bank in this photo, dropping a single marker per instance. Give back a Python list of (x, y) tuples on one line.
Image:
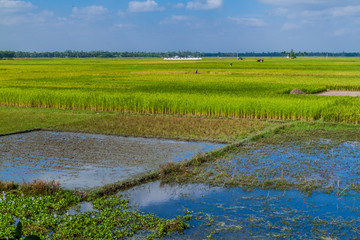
[(143, 125)]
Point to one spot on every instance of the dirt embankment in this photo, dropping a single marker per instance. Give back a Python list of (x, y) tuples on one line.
[(339, 93)]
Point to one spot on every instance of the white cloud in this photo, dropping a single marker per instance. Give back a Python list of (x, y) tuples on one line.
[(11, 20), (278, 12), (9, 6), (89, 13), (251, 22), (121, 13), (20, 12), (346, 32), (290, 26), (180, 18), (147, 6), (347, 11), (339, 32), (294, 2), (179, 5), (204, 4), (174, 19), (123, 25), (28, 18), (43, 16)]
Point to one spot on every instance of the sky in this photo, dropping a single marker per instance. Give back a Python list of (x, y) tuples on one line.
[(180, 25)]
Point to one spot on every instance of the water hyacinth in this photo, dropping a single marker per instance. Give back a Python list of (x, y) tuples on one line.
[(51, 215)]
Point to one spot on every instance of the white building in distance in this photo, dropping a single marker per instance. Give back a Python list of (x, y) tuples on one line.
[(181, 58)]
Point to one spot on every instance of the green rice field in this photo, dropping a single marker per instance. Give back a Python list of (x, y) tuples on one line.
[(246, 89), (290, 168)]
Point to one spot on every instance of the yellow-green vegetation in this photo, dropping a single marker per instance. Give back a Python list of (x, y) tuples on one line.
[(15, 119), (246, 90), (160, 126)]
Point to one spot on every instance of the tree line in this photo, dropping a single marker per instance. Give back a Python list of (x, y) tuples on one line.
[(108, 54)]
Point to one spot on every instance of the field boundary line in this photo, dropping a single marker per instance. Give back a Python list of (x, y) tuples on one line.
[(23, 131), (199, 159)]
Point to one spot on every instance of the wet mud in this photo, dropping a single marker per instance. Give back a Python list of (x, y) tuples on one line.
[(83, 161)]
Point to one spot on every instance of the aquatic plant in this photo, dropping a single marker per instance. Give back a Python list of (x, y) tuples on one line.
[(48, 216)]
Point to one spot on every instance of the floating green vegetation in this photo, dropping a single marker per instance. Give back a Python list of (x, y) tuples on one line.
[(245, 90), (46, 213)]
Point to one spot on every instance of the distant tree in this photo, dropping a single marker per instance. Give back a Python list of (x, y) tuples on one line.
[(292, 54), (7, 54)]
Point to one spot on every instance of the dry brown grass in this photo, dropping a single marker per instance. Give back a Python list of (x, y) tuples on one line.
[(37, 187), (40, 187)]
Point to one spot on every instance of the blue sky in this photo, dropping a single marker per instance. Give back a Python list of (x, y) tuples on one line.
[(195, 25)]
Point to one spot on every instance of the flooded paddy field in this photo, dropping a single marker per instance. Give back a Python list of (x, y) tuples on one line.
[(307, 190), (324, 163), (260, 189), (307, 165), (235, 213), (81, 160)]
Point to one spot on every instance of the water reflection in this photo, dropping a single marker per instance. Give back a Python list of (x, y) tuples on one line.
[(327, 162), (80, 160), (237, 213)]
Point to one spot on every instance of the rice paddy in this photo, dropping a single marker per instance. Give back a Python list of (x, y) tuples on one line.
[(246, 89)]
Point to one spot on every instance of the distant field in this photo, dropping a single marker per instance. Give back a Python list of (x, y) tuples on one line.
[(246, 90)]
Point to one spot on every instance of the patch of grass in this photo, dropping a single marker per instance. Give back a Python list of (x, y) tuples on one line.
[(174, 127), (15, 119), (145, 125), (304, 131)]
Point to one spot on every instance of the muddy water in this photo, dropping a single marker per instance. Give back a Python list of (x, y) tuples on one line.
[(80, 160), (235, 213)]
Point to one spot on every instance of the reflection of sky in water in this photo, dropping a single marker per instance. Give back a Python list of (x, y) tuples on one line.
[(155, 193), (260, 214), (324, 161), (87, 160)]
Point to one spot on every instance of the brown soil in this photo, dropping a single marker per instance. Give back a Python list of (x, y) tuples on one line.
[(339, 93), (297, 91)]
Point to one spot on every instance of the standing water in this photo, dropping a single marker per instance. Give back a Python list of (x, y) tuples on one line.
[(81, 160)]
